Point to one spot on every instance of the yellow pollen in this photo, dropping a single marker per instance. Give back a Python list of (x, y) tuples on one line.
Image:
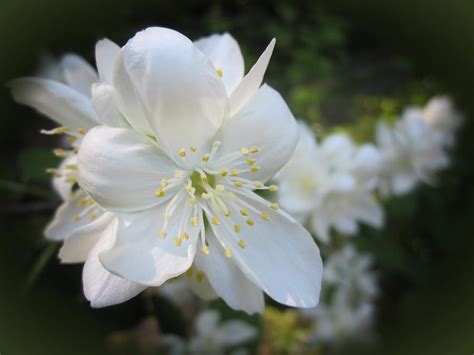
[(76, 218), (60, 130), (205, 196), (189, 188), (53, 171), (250, 222), (192, 201), (177, 241), (223, 172), (220, 188), (203, 178), (199, 276), (71, 166), (250, 161), (182, 153), (71, 139), (163, 234), (238, 184), (265, 216), (164, 182), (159, 192), (257, 184), (205, 157), (219, 72), (92, 216), (71, 180), (242, 243), (234, 172), (227, 213), (189, 272), (254, 169), (205, 249), (178, 174), (185, 236), (244, 212), (215, 220), (244, 151), (195, 221), (237, 228), (193, 149), (273, 188), (83, 201), (59, 152), (254, 149), (274, 206), (82, 130), (228, 252)]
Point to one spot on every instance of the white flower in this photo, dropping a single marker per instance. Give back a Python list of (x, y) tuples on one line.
[(214, 338), (195, 155), (349, 289), (84, 227), (331, 184), (411, 151)]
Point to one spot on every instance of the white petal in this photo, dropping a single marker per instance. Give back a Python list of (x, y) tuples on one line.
[(207, 322), (320, 227), (227, 280), (101, 287), (140, 255), (106, 53), (57, 101), (281, 257), (183, 97), (60, 183), (78, 245), (367, 165), (403, 183), (224, 52), (121, 168), (250, 84), (78, 73), (202, 288), (235, 332), (266, 122), (104, 104), (64, 223), (369, 211)]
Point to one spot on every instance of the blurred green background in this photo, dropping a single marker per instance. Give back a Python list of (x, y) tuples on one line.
[(339, 64)]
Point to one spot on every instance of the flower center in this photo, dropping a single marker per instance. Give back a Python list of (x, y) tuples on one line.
[(198, 181)]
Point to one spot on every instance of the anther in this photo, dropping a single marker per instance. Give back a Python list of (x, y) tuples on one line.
[(199, 276), (238, 184), (177, 241), (82, 131), (178, 174), (182, 153), (273, 188), (250, 161), (244, 212), (265, 216), (215, 220), (192, 201), (219, 72), (274, 206), (189, 272), (164, 182), (257, 184), (189, 188), (254, 168), (220, 188), (193, 149), (76, 218), (195, 221), (223, 172), (237, 228), (228, 252), (71, 166), (234, 173), (59, 152), (159, 192), (205, 196), (254, 149), (242, 243), (250, 222), (163, 234), (185, 236), (244, 151), (92, 216), (205, 158), (205, 249)]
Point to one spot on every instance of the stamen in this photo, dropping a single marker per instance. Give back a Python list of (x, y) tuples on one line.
[(250, 222), (164, 182), (228, 252), (193, 149), (205, 249), (192, 201), (163, 234), (244, 212), (205, 158), (244, 151), (200, 276), (238, 184), (236, 228), (242, 243), (255, 168), (189, 272), (274, 206), (195, 221), (250, 161), (254, 149), (159, 192), (234, 172), (215, 220), (59, 152), (185, 236), (182, 153), (205, 196), (219, 72), (265, 216), (177, 241), (273, 188), (223, 172), (82, 131)]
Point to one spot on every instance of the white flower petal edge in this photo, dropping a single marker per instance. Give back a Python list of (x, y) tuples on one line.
[(58, 101), (224, 52), (227, 280), (101, 287), (79, 74), (106, 53)]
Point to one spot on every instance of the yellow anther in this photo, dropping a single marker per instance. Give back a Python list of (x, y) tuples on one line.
[(205, 157), (273, 188), (178, 174), (223, 172), (163, 234), (254, 149), (71, 139), (177, 241), (237, 228), (205, 249), (82, 131), (220, 188), (234, 173), (257, 184), (159, 192), (71, 166), (83, 201), (205, 196), (228, 252), (60, 130), (76, 218), (254, 168), (199, 276), (219, 72), (193, 149), (182, 153), (192, 201), (164, 182), (59, 152), (92, 216), (274, 206), (238, 184), (185, 236), (189, 272), (244, 151), (189, 188), (215, 220), (203, 178), (265, 216), (242, 243), (250, 161), (244, 212), (227, 213), (250, 222), (195, 221), (53, 171), (71, 180)]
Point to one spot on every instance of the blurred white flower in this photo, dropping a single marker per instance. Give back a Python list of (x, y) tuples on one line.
[(411, 151), (85, 228), (350, 287), (331, 184), (195, 154), (214, 338)]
